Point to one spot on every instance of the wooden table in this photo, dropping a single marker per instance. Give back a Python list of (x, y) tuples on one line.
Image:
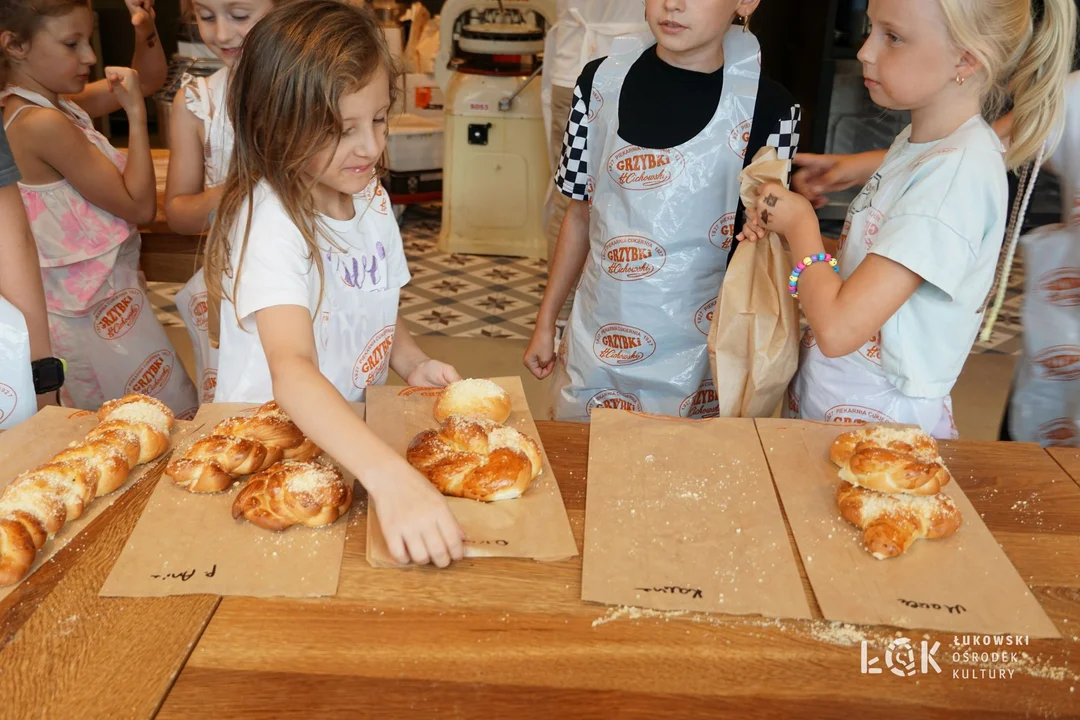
[(166, 256), (495, 638), (1068, 459)]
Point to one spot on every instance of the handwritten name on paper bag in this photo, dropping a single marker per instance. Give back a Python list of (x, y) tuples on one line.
[(185, 575), (957, 609), (500, 543), (672, 590)]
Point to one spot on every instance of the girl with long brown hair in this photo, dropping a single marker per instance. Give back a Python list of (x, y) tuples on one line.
[(307, 258)]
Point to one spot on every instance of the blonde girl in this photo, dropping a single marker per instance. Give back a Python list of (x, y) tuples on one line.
[(84, 199), (892, 323), (200, 143), (308, 258)]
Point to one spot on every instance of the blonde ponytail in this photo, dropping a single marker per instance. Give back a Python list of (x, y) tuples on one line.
[(1038, 85), (1024, 55)]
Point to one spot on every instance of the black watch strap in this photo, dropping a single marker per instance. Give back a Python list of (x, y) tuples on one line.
[(48, 374)]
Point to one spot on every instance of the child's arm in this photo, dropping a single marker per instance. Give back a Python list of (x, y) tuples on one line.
[(415, 518), (415, 367), (843, 314), (819, 175), (571, 251), (131, 195), (148, 60), (187, 204)]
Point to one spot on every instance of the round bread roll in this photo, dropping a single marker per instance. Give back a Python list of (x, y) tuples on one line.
[(476, 399)]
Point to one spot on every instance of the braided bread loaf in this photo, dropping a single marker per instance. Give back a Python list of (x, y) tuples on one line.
[(890, 460), (37, 503), (891, 523), (240, 446), (476, 459), (294, 493)]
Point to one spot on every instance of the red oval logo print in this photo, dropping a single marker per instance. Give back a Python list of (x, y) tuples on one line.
[(153, 374), (872, 349), (808, 339), (188, 414), (114, 317), (375, 194), (9, 400), (208, 387), (1063, 432), (81, 414), (739, 139), (596, 101), (701, 404), (722, 231), (1061, 287), (617, 344), (637, 168), (704, 315), (371, 367), (792, 402), (421, 391), (631, 257), (200, 311), (1061, 362), (856, 415), (613, 400)]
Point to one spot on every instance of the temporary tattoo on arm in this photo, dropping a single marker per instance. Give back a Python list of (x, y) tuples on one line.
[(152, 40), (771, 200), (765, 214)]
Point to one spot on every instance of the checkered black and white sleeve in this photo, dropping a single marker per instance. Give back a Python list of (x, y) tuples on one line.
[(572, 177), (786, 136)]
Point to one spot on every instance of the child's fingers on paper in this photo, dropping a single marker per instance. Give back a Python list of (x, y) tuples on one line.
[(417, 549), (454, 537), (396, 545), (436, 548)]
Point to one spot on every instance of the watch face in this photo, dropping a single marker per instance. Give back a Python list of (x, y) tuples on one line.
[(48, 375)]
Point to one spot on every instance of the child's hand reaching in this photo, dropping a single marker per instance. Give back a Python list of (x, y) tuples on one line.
[(142, 17), (432, 373), (124, 84), (416, 519), (778, 210)]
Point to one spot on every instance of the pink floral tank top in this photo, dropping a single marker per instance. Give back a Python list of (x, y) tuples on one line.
[(77, 242)]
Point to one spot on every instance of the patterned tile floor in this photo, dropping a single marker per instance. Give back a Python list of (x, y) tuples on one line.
[(497, 297)]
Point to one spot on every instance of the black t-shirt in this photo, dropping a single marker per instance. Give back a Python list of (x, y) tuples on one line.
[(662, 106)]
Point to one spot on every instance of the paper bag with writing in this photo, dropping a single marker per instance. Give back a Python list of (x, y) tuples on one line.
[(533, 526), (37, 440), (188, 543), (754, 335), (682, 515), (963, 583)]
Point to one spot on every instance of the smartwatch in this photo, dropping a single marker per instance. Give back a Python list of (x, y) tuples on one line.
[(48, 374)]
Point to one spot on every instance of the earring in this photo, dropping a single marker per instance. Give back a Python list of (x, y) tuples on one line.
[(960, 80)]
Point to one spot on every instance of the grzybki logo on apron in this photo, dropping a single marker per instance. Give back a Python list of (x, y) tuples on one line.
[(637, 168), (631, 257)]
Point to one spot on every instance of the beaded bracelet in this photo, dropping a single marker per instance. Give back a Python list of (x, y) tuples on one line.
[(793, 280)]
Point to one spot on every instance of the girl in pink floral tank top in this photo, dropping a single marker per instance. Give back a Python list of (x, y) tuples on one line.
[(84, 198)]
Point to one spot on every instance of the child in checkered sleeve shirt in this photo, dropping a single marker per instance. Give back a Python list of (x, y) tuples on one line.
[(653, 149)]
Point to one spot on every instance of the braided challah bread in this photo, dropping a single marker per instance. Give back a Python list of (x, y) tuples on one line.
[(240, 446), (477, 399), (890, 460), (476, 459), (294, 493), (891, 523), (37, 503)]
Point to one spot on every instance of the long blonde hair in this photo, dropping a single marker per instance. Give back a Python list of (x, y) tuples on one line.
[(1025, 50), (298, 62)]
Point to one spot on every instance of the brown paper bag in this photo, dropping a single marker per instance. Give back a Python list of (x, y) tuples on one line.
[(533, 526), (44, 435), (682, 515), (754, 335), (188, 543), (964, 583)]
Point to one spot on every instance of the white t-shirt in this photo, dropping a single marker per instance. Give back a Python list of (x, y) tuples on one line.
[(354, 318), (575, 45), (938, 209)]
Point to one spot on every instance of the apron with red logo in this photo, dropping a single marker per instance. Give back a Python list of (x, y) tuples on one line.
[(355, 322), (854, 389), (18, 401), (660, 232), (1045, 406)]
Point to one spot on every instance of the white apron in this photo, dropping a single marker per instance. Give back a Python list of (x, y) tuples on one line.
[(854, 389), (1045, 406), (101, 321), (355, 322), (205, 97), (18, 401), (638, 329)]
